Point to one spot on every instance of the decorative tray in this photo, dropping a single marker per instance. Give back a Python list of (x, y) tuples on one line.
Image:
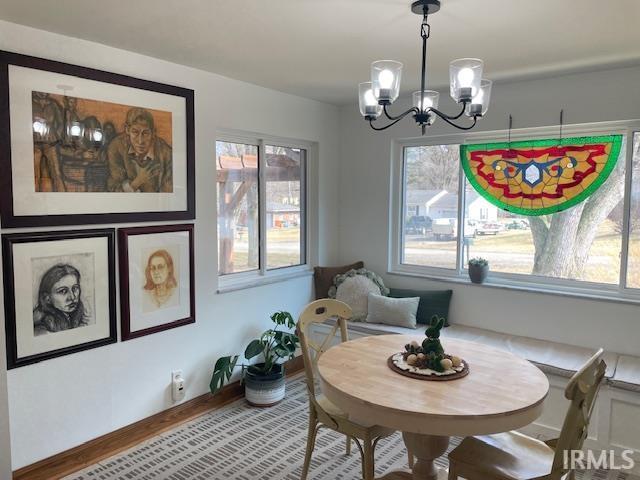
[(397, 363)]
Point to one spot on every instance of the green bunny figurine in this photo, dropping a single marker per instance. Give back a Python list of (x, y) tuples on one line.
[(432, 344)]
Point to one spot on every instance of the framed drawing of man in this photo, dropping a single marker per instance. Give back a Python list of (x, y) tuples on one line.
[(87, 146), (59, 293), (156, 279)]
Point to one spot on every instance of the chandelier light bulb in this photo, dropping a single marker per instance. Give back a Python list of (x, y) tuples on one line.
[(369, 107), (480, 102), (385, 79), (97, 136), (426, 103), (370, 98), (465, 77)]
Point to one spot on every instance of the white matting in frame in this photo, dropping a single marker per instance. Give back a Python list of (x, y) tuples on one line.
[(159, 279), (26, 201), (59, 293)]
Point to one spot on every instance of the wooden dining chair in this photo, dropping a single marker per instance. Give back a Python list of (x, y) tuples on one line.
[(514, 456), (322, 413)]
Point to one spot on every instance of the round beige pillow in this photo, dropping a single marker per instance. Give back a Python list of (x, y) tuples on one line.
[(353, 288)]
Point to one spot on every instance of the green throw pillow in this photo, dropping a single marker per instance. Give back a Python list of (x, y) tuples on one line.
[(432, 302)]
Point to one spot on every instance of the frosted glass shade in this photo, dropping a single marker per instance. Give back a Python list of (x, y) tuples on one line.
[(465, 75), (430, 99), (480, 102), (385, 79), (369, 107)]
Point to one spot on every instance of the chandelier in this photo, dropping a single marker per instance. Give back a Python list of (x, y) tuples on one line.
[(467, 87)]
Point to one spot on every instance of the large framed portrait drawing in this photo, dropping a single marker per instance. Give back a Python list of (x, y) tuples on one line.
[(59, 293), (156, 279), (87, 146)]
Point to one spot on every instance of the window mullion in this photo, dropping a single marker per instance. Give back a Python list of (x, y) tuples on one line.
[(626, 211), (262, 207), (461, 220), (304, 202)]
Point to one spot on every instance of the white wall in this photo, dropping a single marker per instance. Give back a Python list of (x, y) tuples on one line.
[(63, 402), (364, 206)]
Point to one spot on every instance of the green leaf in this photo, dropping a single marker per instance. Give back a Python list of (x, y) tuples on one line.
[(222, 372), (255, 348), (283, 318), (285, 343)]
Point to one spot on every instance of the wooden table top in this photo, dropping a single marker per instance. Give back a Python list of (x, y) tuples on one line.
[(502, 391)]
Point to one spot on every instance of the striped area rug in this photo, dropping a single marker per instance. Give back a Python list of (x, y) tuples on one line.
[(238, 442)]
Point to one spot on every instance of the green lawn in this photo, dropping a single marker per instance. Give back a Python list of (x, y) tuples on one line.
[(512, 251)]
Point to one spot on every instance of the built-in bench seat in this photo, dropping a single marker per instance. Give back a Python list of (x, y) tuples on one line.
[(627, 374), (551, 357)]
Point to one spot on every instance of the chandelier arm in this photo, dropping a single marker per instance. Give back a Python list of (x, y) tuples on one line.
[(413, 110), (450, 117), (378, 129), (447, 119)]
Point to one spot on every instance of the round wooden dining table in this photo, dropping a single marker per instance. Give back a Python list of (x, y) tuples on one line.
[(502, 392)]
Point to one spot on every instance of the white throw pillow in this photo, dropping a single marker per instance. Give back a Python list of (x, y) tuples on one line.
[(353, 291), (400, 312)]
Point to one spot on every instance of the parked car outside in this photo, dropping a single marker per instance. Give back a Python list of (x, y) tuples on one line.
[(488, 229), (518, 225), (418, 224), (447, 228)]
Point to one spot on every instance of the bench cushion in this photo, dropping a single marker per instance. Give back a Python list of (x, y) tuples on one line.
[(551, 357), (557, 358), (627, 375), (379, 328), (480, 335)]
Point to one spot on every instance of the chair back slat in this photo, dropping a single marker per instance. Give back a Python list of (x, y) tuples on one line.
[(581, 391), (318, 312)]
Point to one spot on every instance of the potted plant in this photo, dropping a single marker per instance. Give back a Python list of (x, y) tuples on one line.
[(478, 269), (264, 381)]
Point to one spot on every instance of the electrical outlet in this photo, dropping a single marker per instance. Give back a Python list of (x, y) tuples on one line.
[(178, 386)]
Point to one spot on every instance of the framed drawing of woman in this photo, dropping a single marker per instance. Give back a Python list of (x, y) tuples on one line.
[(156, 279), (59, 293)]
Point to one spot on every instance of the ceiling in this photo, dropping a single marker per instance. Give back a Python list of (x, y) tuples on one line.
[(322, 49)]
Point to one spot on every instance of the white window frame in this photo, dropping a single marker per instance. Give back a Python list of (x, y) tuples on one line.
[(600, 291), (309, 214)]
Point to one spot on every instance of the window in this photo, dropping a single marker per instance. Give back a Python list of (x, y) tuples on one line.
[(238, 227), (285, 170), (633, 267), (261, 201), (598, 258), (431, 176)]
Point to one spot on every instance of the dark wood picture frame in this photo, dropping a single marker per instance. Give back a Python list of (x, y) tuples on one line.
[(10, 220), (125, 300), (8, 241)]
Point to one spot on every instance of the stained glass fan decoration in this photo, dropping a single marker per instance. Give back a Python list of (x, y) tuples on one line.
[(540, 177)]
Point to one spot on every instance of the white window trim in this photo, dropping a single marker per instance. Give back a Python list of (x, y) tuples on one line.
[(309, 193), (608, 292)]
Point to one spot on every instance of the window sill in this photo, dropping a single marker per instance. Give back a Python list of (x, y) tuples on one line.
[(597, 294), (232, 283)]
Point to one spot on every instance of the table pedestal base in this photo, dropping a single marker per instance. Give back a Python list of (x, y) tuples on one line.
[(426, 448)]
